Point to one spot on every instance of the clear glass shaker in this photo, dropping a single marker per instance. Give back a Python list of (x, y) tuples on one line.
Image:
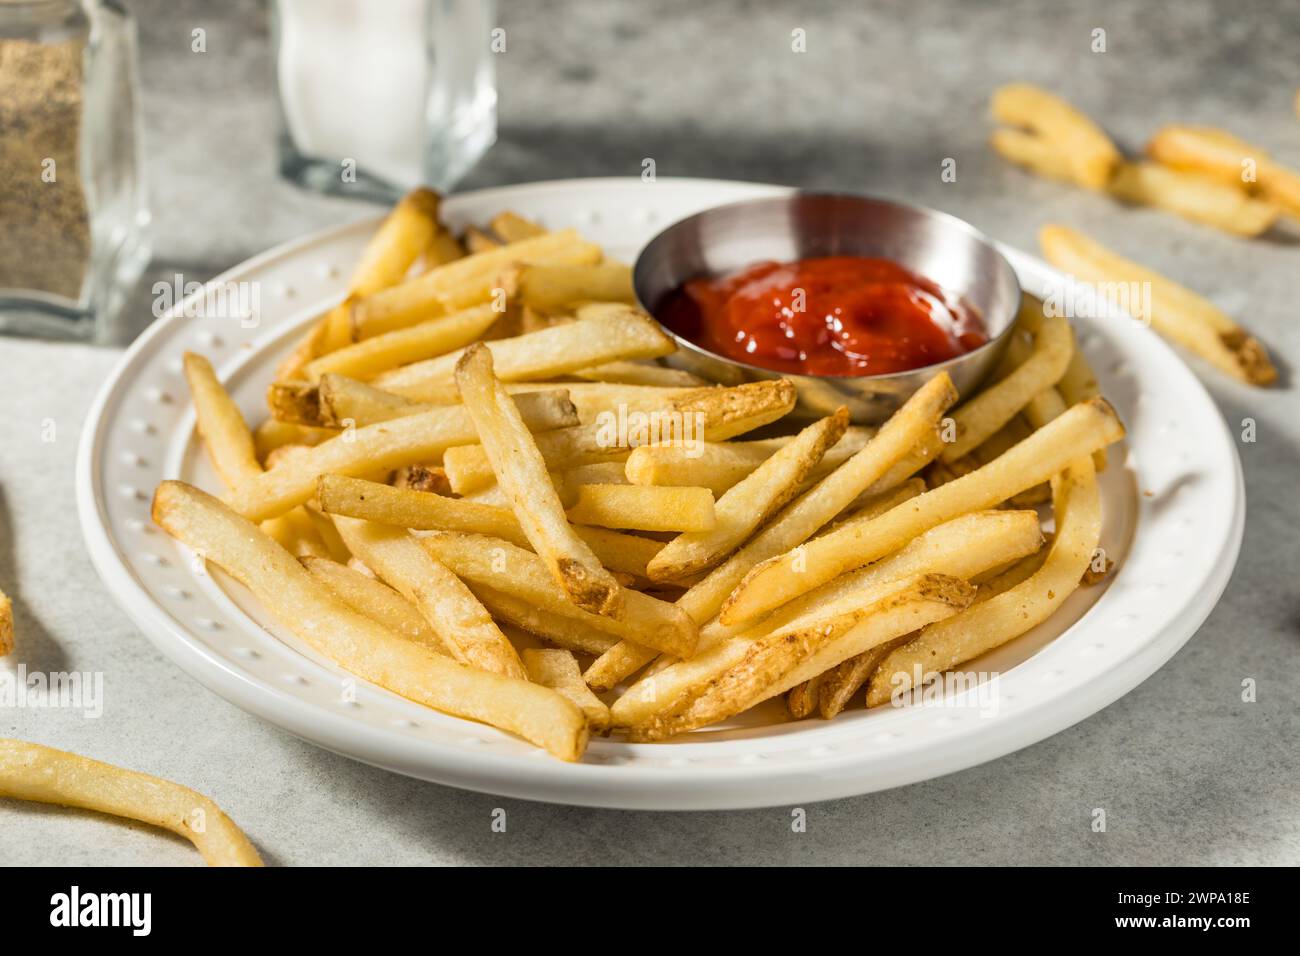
[(72, 212), (376, 98)]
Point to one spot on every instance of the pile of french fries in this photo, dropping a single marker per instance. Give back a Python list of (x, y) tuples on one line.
[(1201, 173), (459, 497)]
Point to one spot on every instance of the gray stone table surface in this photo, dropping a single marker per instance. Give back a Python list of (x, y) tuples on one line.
[(886, 91)]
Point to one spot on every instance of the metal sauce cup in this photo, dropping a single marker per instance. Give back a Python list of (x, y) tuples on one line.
[(940, 247)]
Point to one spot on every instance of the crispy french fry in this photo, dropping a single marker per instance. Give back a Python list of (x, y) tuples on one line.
[(44, 775), (475, 240), (512, 227), (376, 600), (521, 472), (370, 451), (770, 666), (841, 682), (687, 421), (466, 628), (801, 700), (220, 423), (558, 670), (396, 244), (645, 373), (1193, 196), (356, 643), (442, 249), (993, 622), (380, 353), (1209, 151), (6, 624), (500, 565), (1089, 151), (596, 337), (644, 508), (557, 286), (978, 419), (1177, 313), (460, 284), (1034, 152), (749, 503), (272, 434), (342, 399), (1080, 430), (566, 632)]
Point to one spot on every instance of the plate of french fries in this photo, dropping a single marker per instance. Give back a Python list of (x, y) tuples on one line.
[(433, 492)]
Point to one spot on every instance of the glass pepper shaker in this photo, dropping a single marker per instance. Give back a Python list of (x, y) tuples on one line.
[(72, 210)]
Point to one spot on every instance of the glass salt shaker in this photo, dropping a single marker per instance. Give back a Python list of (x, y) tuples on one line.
[(376, 98), (72, 210)]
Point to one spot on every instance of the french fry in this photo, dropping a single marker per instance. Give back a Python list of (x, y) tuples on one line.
[(801, 700), (800, 519), (521, 472), (426, 340), (44, 775), (645, 373), (427, 478), (342, 399), (421, 510), (272, 434), (500, 565), (558, 670), (1217, 153), (356, 643), (1177, 313), (872, 471), (713, 465), (594, 338), (991, 623), (644, 508), (1034, 152), (396, 244), (376, 600), (558, 286), (6, 624), (475, 240), (838, 685), (770, 666), (1193, 196), (442, 249), (365, 452), (978, 419), (1090, 153), (749, 503), (512, 227), (220, 423), (1081, 430), (722, 413), (565, 632), (466, 628), (961, 548), (460, 284)]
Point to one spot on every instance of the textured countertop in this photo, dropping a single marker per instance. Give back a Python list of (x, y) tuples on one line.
[(1188, 773)]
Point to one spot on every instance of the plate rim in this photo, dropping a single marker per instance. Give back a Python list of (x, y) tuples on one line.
[(699, 786)]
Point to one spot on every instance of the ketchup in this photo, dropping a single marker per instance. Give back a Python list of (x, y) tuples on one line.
[(836, 315)]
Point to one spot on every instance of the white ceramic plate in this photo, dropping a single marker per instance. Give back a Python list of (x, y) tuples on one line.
[(1174, 510)]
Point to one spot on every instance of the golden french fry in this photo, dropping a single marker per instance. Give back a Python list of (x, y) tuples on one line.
[(1211, 152), (376, 600), (466, 628), (459, 284), (769, 665), (801, 700), (1034, 152), (6, 624), (565, 632), (993, 622), (558, 670), (521, 472), (273, 434), (646, 373), (644, 508), (220, 423), (426, 340), (44, 775), (978, 419), (512, 227), (442, 248), (841, 682), (1089, 151), (1193, 196), (356, 643), (556, 286), (371, 451), (475, 240), (594, 338), (750, 502), (1176, 313), (498, 564), (1081, 430)]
